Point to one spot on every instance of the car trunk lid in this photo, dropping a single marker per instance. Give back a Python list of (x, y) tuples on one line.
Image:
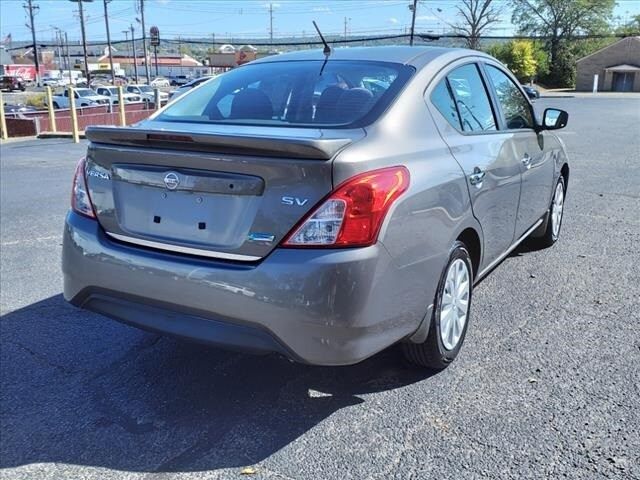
[(216, 192)]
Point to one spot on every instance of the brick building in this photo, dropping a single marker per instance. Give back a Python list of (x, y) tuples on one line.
[(168, 65), (617, 67)]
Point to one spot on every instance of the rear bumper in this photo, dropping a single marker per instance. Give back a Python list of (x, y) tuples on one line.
[(326, 307)]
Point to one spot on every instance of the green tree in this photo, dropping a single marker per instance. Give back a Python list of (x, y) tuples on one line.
[(521, 56), (630, 28), (523, 63), (560, 21)]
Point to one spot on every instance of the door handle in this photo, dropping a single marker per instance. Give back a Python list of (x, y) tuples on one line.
[(476, 177), (526, 161)]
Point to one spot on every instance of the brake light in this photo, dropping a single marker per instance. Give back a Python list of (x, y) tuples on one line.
[(80, 199), (353, 213)]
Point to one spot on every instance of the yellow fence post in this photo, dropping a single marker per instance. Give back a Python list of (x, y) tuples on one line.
[(3, 121), (74, 116), (123, 118), (52, 115)]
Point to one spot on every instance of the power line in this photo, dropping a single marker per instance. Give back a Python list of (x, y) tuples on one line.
[(423, 36)]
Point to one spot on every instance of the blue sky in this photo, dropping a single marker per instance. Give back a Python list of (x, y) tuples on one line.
[(244, 18)]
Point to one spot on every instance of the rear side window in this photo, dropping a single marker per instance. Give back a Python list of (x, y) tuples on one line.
[(515, 108), (471, 99), (443, 101), (337, 93)]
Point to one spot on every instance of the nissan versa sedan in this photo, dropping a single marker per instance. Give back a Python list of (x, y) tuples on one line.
[(322, 205)]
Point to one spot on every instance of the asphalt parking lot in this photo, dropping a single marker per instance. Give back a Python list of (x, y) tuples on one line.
[(547, 384)]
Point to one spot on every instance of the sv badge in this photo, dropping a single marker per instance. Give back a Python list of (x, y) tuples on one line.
[(300, 202)]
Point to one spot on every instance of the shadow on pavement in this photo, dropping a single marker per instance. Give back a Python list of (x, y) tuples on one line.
[(81, 389)]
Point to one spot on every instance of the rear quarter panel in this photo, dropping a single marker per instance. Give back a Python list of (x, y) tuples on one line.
[(423, 224)]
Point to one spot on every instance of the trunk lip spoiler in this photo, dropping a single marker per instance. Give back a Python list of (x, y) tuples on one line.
[(322, 148)]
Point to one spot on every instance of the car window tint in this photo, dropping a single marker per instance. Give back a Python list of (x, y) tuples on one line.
[(515, 108), (471, 98), (443, 101)]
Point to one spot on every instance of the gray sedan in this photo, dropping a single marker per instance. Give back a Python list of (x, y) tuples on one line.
[(322, 206)]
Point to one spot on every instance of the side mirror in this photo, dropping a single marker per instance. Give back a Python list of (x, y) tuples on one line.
[(554, 119)]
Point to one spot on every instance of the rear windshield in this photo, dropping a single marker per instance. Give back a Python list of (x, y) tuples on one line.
[(296, 93)]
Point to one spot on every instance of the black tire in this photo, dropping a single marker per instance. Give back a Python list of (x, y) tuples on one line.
[(55, 105), (432, 353), (548, 238)]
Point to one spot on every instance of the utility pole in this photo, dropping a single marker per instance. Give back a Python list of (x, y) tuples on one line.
[(413, 9), (213, 52), (144, 43), (271, 23), (66, 43), (31, 7), (84, 37), (59, 53), (106, 22), (135, 59), (346, 22)]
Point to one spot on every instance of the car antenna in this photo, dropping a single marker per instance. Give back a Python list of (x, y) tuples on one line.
[(327, 48)]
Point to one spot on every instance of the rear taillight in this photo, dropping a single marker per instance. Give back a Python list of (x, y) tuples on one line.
[(80, 199), (354, 212)]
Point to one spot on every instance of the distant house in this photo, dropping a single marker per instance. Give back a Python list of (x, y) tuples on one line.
[(617, 67)]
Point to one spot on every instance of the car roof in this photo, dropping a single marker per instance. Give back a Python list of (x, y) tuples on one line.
[(416, 56)]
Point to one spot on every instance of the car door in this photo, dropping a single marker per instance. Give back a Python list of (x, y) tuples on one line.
[(467, 123), (516, 116)]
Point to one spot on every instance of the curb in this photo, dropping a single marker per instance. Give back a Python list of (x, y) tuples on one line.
[(16, 139)]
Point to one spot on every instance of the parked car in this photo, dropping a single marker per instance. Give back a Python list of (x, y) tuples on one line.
[(12, 82), (53, 82), (188, 86), (18, 108), (84, 97), (242, 216), (160, 82), (531, 92), (147, 94), (178, 80), (112, 94)]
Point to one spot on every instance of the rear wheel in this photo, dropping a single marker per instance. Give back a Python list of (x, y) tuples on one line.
[(450, 314), (554, 222), (55, 105)]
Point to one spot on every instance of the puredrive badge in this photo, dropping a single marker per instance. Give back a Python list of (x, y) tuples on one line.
[(171, 180)]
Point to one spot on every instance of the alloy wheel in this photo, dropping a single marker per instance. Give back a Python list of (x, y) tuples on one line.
[(556, 210), (455, 303)]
